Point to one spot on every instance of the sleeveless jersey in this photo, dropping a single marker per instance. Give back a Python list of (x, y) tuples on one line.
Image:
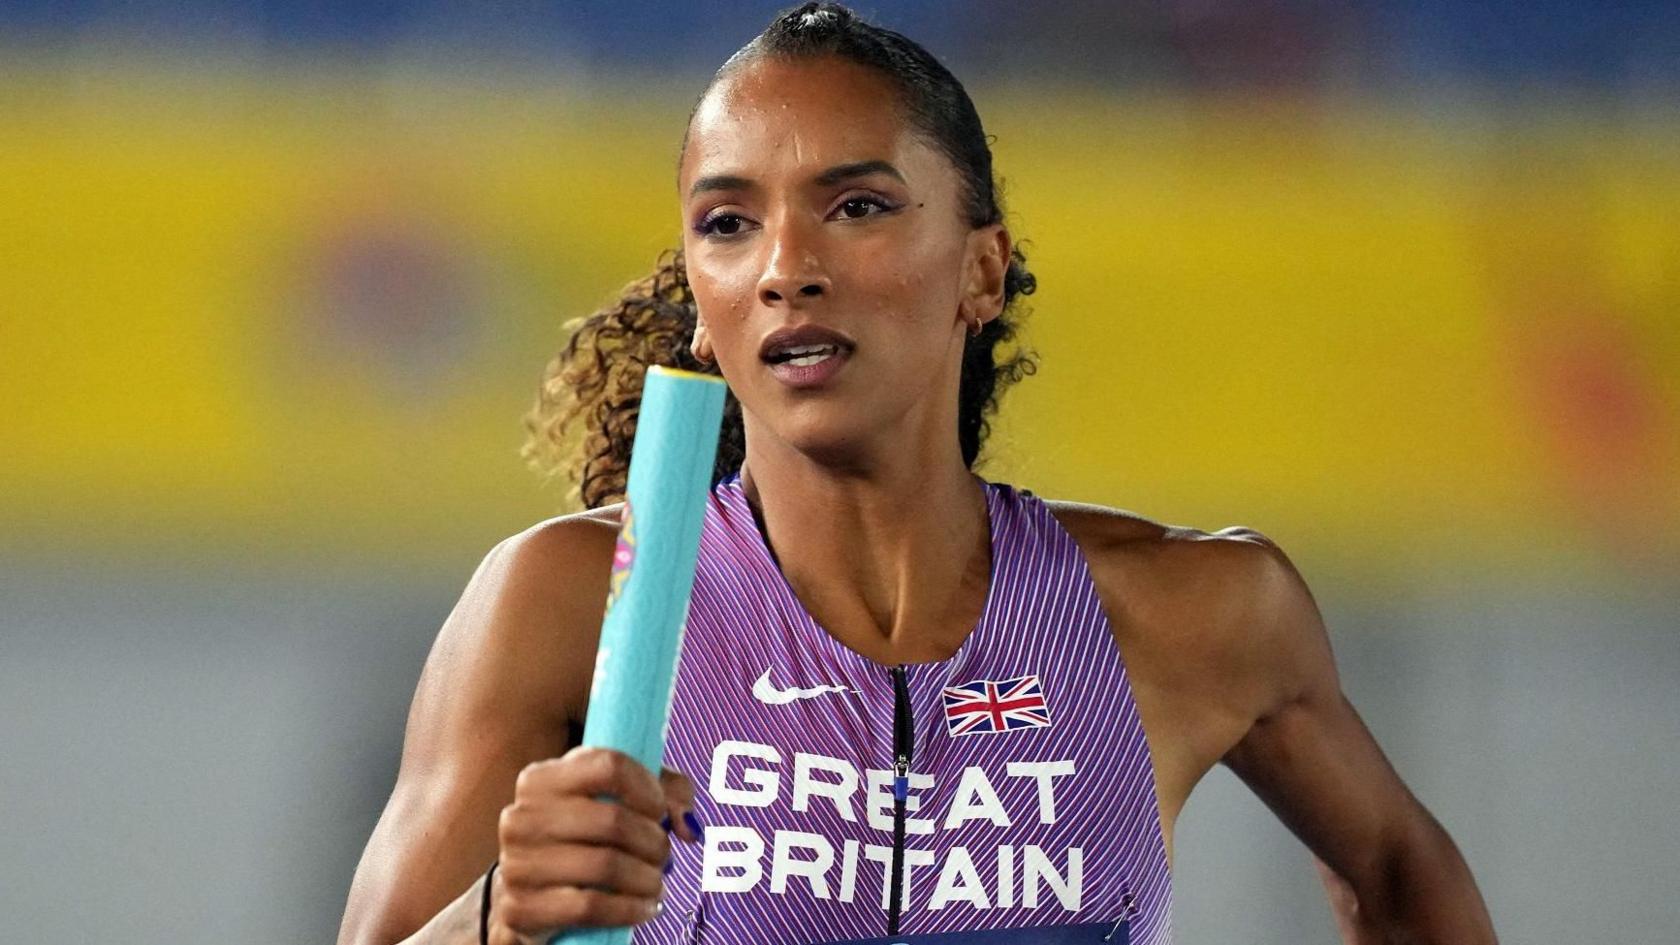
[(1026, 812)]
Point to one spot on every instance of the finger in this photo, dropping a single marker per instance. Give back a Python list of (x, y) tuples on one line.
[(572, 864), (692, 831), (532, 911), (595, 771), (679, 802), (582, 820), (678, 789)]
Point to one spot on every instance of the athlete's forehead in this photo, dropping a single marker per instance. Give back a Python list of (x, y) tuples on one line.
[(773, 118)]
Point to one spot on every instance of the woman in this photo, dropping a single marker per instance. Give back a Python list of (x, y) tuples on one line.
[(901, 689)]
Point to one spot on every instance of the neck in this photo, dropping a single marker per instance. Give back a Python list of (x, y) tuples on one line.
[(892, 556)]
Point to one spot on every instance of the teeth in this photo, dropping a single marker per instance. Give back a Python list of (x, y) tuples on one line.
[(806, 355)]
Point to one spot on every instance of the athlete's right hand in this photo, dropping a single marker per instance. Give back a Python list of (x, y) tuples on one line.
[(570, 858)]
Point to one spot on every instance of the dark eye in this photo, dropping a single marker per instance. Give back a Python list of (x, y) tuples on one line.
[(722, 224), (856, 208)]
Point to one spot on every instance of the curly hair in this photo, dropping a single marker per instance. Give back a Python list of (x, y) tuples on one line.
[(584, 418)]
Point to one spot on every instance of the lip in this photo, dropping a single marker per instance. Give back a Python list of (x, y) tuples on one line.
[(798, 335), (806, 376)]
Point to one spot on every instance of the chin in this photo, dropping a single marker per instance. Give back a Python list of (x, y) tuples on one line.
[(828, 434)]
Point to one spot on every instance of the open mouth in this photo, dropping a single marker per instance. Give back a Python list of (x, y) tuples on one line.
[(808, 357), (802, 355)]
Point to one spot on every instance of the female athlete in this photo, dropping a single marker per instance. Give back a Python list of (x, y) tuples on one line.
[(901, 708)]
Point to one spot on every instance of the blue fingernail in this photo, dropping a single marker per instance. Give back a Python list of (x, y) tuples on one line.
[(693, 823), (665, 823)]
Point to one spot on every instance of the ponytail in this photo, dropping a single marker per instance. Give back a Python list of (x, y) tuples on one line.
[(595, 384)]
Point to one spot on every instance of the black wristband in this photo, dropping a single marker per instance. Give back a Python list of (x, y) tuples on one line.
[(484, 905)]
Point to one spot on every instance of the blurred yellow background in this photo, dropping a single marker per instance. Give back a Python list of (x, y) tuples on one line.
[(1396, 284), (291, 309)]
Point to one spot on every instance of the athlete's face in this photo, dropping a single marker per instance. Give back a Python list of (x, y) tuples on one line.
[(811, 206)]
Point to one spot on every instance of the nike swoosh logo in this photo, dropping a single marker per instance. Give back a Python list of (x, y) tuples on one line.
[(768, 694)]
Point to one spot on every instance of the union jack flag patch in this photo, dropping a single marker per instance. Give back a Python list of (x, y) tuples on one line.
[(995, 705)]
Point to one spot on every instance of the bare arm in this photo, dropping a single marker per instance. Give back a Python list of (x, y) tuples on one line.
[(506, 682), (1393, 874)]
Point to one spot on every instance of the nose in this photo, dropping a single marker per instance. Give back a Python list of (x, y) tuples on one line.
[(794, 272)]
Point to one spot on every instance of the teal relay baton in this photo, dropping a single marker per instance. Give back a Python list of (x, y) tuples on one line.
[(652, 576)]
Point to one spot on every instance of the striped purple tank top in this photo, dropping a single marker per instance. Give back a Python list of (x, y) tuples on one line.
[(1009, 787)]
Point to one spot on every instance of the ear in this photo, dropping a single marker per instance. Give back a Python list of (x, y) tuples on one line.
[(989, 248), (701, 345)]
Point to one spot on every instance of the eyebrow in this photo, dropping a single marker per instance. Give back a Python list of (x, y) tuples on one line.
[(833, 175), (840, 172)]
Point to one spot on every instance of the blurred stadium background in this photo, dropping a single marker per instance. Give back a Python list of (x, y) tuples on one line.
[(1395, 283)]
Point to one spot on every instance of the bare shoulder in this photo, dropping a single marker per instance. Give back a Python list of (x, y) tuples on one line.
[(1149, 565), (1104, 523), (506, 684), (531, 606), (569, 535), (1214, 625), (1194, 590), (558, 545), (550, 562)]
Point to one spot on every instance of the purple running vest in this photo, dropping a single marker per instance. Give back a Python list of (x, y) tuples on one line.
[(1029, 804)]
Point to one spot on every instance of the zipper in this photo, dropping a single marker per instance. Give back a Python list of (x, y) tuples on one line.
[(904, 746), (697, 920), (1121, 934)]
